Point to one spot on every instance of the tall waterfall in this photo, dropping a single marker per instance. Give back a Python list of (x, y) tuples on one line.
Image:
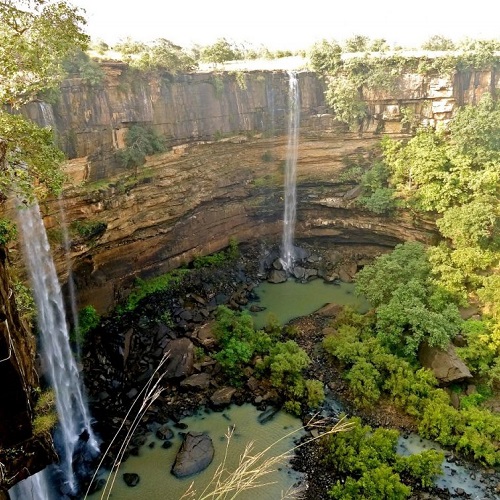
[(57, 359), (287, 250)]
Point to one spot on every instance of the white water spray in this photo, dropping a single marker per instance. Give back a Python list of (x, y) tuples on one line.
[(35, 487), (287, 251), (57, 359)]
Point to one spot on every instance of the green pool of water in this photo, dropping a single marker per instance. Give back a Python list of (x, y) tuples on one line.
[(291, 300), (153, 464)]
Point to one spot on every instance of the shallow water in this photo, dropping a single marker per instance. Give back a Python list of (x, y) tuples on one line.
[(153, 465), (454, 476), (290, 300)]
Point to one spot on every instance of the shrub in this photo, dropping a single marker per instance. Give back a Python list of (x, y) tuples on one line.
[(140, 142), (8, 231), (88, 319)]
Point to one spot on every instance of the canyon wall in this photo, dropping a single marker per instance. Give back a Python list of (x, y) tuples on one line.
[(223, 174)]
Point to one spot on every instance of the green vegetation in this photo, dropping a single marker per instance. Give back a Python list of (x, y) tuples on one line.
[(140, 142), (219, 258), (381, 72), (143, 288), (410, 307), (282, 362), (79, 63), (377, 196), (24, 301), (35, 36), (88, 229), (374, 372), (162, 54), (45, 413), (221, 51), (88, 319), (369, 466), (8, 231)]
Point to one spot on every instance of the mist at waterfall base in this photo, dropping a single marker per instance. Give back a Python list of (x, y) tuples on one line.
[(75, 442), (289, 216)]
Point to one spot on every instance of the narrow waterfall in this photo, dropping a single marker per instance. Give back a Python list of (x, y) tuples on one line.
[(35, 487), (47, 115), (287, 250), (73, 430), (71, 281)]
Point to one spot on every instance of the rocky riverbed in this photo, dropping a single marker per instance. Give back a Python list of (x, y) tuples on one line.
[(122, 354)]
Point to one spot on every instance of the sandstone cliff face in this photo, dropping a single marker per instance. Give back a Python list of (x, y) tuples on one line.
[(191, 200)]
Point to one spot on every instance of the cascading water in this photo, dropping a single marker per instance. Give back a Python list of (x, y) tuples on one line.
[(35, 487), (287, 250), (48, 119), (73, 432)]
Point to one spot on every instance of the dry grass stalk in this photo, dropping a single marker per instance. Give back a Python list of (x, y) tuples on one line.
[(150, 392)]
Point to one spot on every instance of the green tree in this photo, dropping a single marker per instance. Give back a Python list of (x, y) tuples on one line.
[(221, 51), (163, 54), (140, 142), (35, 36), (325, 57), (438, 42)]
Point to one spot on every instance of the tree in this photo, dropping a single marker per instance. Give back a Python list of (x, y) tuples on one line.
[(325, 57), (357, 43), (221, 51), (35, 35), (438, 42), (410, 307)]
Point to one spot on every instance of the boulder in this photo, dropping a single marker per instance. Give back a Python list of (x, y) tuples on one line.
[(197, 382), (277, 276), (180, 359), (445, 364), (195, 454), (222, 397), (329, 310), (206, 335), (164, 432), (131, 479)]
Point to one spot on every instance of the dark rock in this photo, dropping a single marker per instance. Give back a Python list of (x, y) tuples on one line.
[(329, 310), (267, 415), (222, 397), (131, 478), (278, 265), (164, 432), (299, 272), (353, 193), (198, 381), (460, 341), (276, 276), (180, 358), (196, 454), (181, 425), (255, 308), (132, 393), (446, 365), (310, 274), (167, 444)]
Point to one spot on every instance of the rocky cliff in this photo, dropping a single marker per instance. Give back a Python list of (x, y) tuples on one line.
[(223, 175)]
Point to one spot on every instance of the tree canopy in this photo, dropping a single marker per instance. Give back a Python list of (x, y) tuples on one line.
[(35, 36)]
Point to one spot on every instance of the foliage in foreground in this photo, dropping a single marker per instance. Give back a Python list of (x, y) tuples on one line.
[(373, 372), (369, 466), (282, 362), (410, 308)]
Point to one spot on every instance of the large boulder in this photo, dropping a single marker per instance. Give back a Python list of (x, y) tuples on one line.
[(222, 397), (180, 358), (277, 276), (195, 454), (196, 382), (445, 364)]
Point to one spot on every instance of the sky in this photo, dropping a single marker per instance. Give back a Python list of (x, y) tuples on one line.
[(292, 24)]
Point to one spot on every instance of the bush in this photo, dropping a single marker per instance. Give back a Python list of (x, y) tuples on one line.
[(140, 142), (88, 319), (8, 231), (369, 466)]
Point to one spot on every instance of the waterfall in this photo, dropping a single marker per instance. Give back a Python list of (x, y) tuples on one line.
[(35, 487), (71, 281), (287, 250), (73, 430), (48, 119)]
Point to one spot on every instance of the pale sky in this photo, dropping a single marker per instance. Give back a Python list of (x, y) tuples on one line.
[(293, 24)]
